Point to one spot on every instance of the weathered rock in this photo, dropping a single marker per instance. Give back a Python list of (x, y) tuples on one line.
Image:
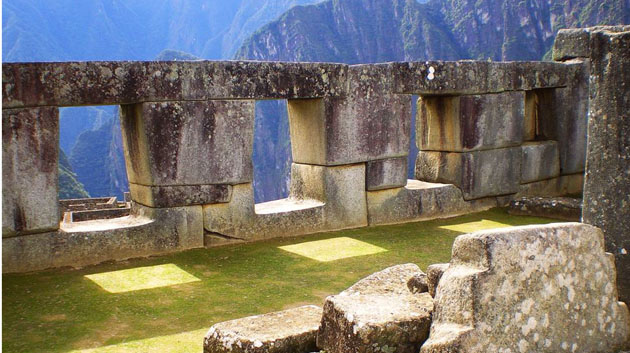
[(475, 77), (30, 153), (607, 180), (386, 173), (540, 161), (478, 174), (320, 199), (377, 314), (420, 200), (102, 83), (288, 331), (563, 185), (180, 195), (192, 144), (469, 123), (434, 274), (147, 231), (571, 43), (547, 288), (560, 115), (565, 208), (377, 122), (418, 283)]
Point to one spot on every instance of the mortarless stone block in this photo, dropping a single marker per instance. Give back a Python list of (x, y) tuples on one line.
[(126, 82), (469, 123), (377, 314), (563, 185), (187, 145), (571, 43), (565, 208), (478, 174), (320, 199), (386, 173), (30, 154), (375, 121), (146, 232), (420, 200), (540, 161), (547, 288), (607, 180), (180, 195), (288, 331)]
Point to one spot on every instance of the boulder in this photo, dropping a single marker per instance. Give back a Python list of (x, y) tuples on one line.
[(288, 331), (377, 314), (539, 288)]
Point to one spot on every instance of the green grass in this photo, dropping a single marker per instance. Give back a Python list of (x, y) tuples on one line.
[(65, 310)]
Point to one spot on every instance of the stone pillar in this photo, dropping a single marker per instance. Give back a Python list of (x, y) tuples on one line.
[(367, 124), (607, 180), (472, 142), (187, 153), (30, 155)]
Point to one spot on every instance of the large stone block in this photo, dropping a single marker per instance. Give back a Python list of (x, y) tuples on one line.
[(478, 174), (561, 115), (540, 161), (368, 123), (571, 43), (468, 123), (607, 180), (288, 331), (180, 195), (544, 288), (146, 232), (386, 173), (378, 314), (30, 154), (475, 77), (105, 83), (563, 185), (175, 144), (320, 199), (420, 200)]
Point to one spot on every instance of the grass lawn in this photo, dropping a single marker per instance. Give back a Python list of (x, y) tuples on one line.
[(166, 304)]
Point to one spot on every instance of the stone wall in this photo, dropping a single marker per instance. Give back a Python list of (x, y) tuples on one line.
[(486, 132)]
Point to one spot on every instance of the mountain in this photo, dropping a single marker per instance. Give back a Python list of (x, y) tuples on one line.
[(98, 160), (365, 31), (69, 186)]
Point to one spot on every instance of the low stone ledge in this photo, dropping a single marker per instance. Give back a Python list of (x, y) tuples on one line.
[(288, 331), (377, 314), (565, 208), (542, 288), (124, 82), (420, 200), (563, 185)]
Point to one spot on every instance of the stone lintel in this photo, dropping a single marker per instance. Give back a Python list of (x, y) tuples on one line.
[(125, 82)]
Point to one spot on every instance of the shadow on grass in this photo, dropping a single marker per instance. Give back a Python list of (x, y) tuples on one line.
[(64, 311)]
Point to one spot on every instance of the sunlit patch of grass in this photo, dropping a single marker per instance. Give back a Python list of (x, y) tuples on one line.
[(141, 278), (469, 227), (333, 249), (60, 311)]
